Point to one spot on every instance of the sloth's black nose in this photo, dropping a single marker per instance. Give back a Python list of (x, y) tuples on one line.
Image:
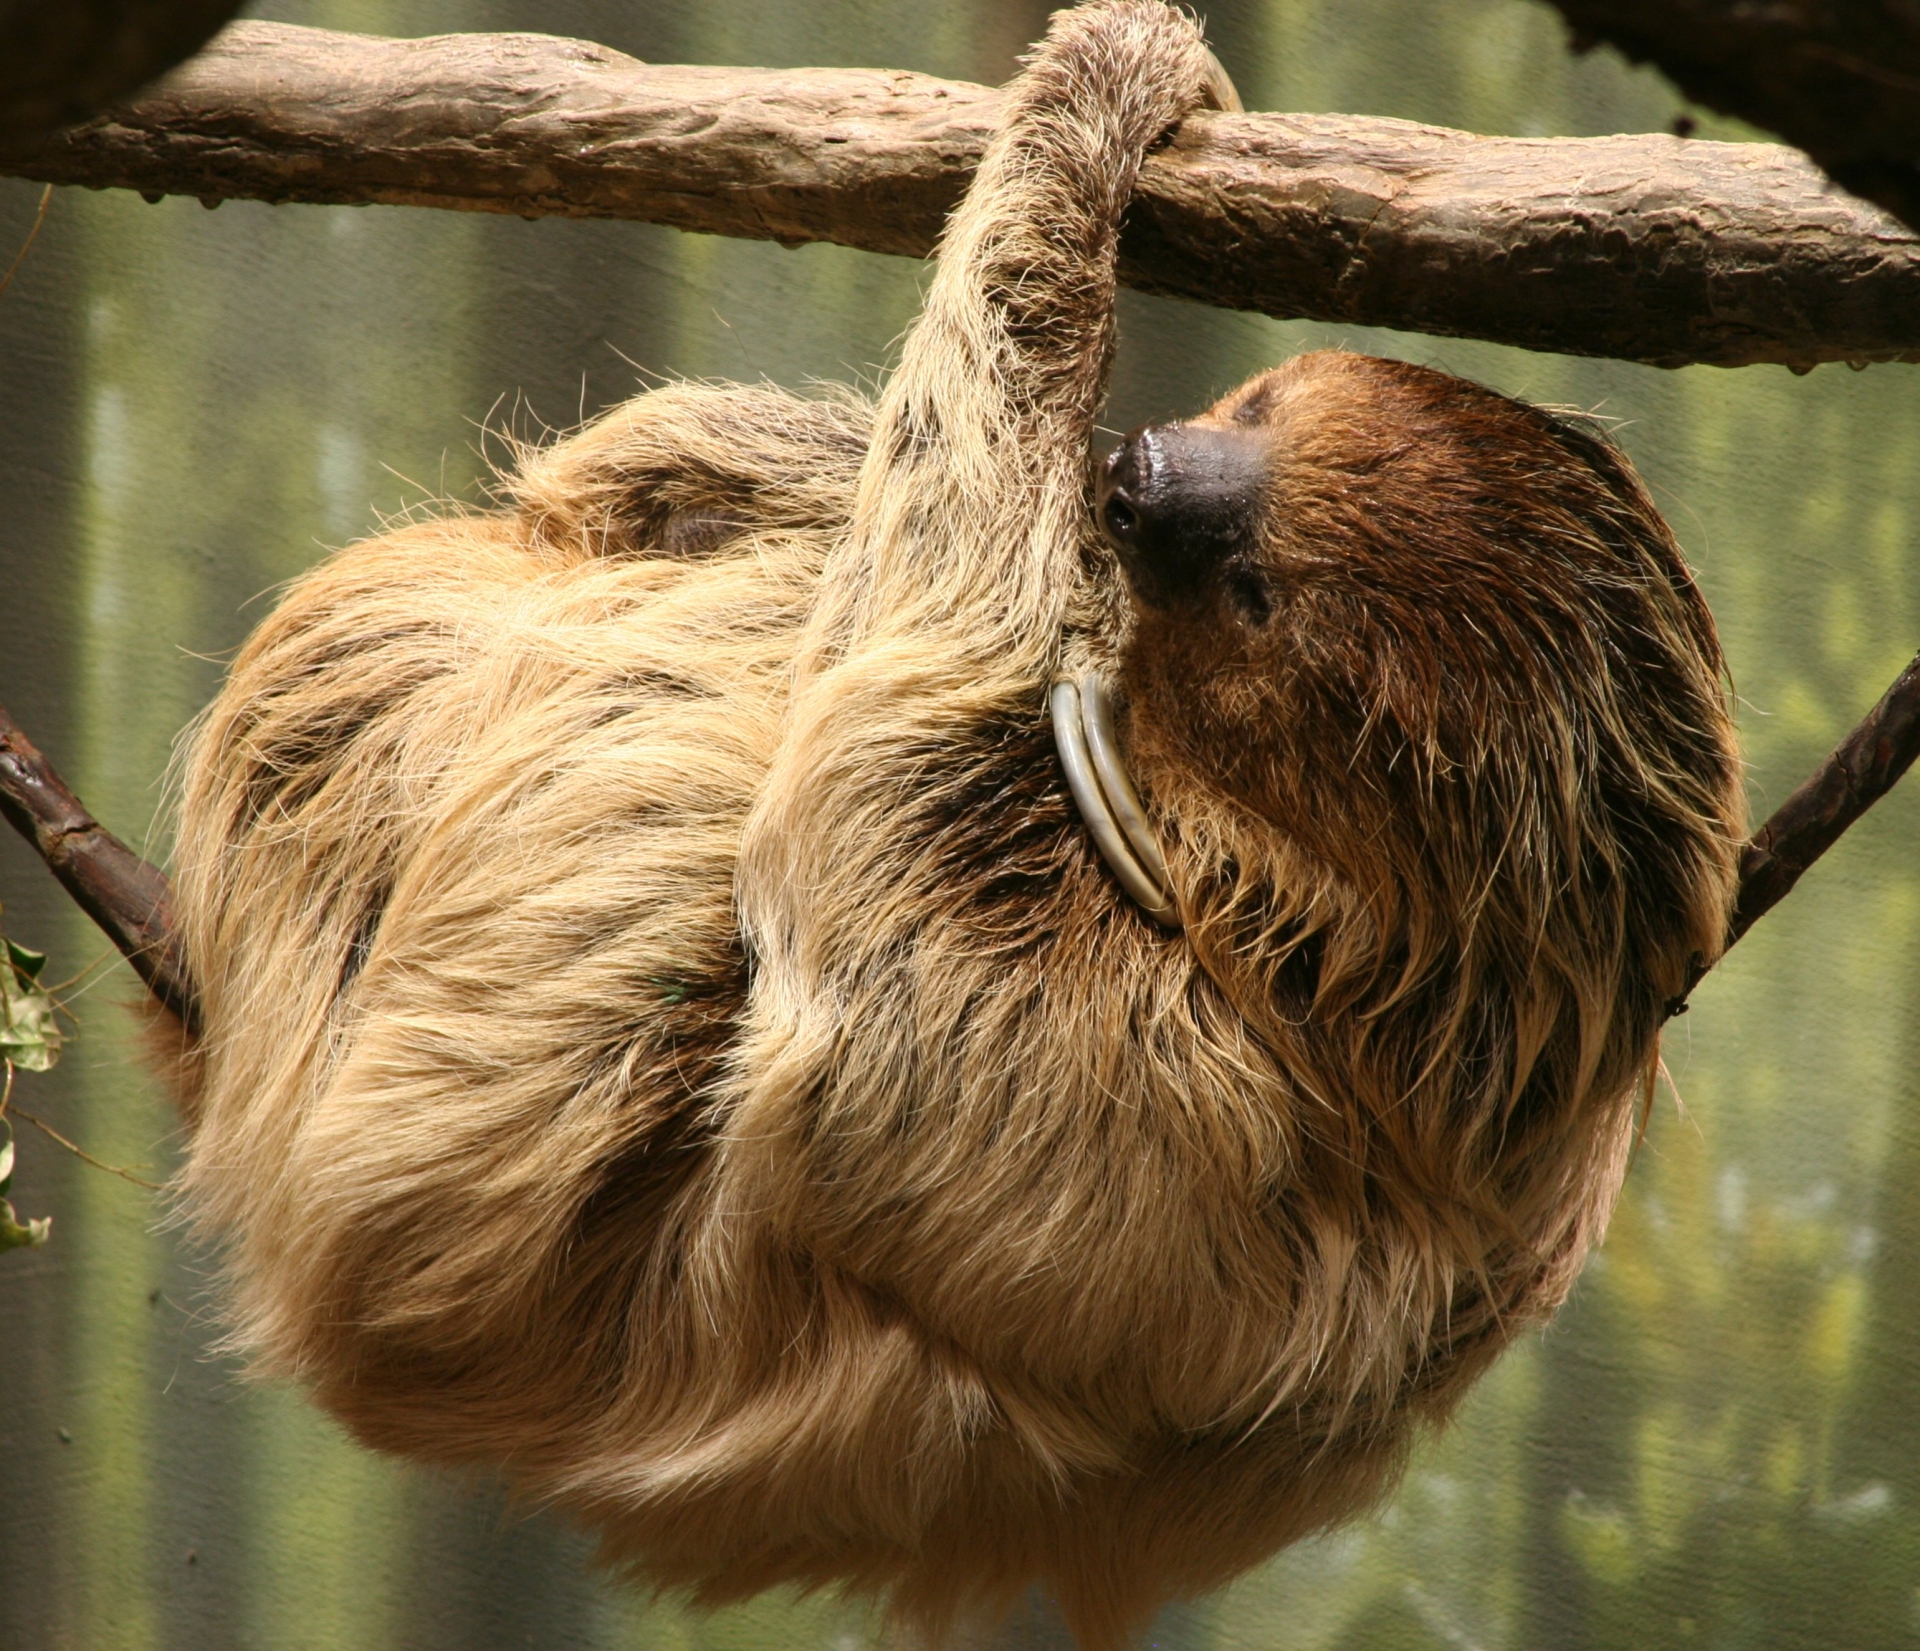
[(1176, 500)]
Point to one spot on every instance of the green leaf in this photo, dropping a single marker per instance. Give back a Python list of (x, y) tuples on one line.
[(14, 1236), (671, 988), (29, 1033)]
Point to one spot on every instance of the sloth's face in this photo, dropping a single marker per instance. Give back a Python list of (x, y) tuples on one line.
[(1368, 569), (1183, 505)]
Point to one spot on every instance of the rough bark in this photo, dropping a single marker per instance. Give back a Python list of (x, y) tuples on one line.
[(1840, 78), (127, 897), (63, 61), (1649, 248)]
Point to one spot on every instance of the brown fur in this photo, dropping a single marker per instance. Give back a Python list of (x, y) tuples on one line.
[(668, 1033)]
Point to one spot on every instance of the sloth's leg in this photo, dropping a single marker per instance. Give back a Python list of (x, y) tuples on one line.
[(309, 783), (683, 469)]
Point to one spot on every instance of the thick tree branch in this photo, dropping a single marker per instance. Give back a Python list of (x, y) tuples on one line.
[(1648, 248), (128, 898), (1841, 79), (65, 60)]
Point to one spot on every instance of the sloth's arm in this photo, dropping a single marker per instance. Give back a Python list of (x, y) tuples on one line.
[(970, 525), (971, 507), (940, 618)]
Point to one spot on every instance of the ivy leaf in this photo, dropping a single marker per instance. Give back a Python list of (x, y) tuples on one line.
[(14, 1236), (29, 1033)]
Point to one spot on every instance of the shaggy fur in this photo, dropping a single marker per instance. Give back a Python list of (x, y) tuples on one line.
[(667, 1032)]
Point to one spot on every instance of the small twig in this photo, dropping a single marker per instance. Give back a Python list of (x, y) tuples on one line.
[(7, 1108), (98, 960), (81, 1152), (33, 234), (127, 897)]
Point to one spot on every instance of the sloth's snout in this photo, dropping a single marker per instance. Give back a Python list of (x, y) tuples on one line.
[(1176, 500)]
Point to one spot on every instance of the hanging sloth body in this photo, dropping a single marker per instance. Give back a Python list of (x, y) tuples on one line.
[(670, 1032)]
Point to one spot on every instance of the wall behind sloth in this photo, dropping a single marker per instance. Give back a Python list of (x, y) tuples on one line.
[(1718, 1445)]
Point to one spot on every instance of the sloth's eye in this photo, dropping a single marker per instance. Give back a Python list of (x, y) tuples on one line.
[(1248, 593), (1120, 518)]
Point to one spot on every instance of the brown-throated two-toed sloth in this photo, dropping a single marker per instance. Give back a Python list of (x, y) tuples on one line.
[(669, 1030)]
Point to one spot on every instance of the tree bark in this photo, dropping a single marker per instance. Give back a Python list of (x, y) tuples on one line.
[(130, 899), (1648, 248), (1857, 773), (63, 61), (1840, 79)]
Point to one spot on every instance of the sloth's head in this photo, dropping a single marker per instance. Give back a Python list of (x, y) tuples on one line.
[(1430, 711)]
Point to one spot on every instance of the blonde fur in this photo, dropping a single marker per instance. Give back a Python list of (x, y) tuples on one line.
[(667, 1034)]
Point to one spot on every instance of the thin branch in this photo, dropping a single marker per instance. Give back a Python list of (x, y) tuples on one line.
[(1863, 768), (1858, 772), (18, 1111), (33, 234), (127, 897), (1648, 248), (1842, 81)]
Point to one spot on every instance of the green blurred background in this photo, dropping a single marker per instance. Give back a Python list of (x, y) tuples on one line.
[(1718, 1445)]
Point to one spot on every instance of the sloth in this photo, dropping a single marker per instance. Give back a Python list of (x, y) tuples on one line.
[(856, 1000)]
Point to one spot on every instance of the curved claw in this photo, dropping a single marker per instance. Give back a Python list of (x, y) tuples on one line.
[(1218, 90), (1083, 759)]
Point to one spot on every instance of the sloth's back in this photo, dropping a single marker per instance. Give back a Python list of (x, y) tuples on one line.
[(456, 867)]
